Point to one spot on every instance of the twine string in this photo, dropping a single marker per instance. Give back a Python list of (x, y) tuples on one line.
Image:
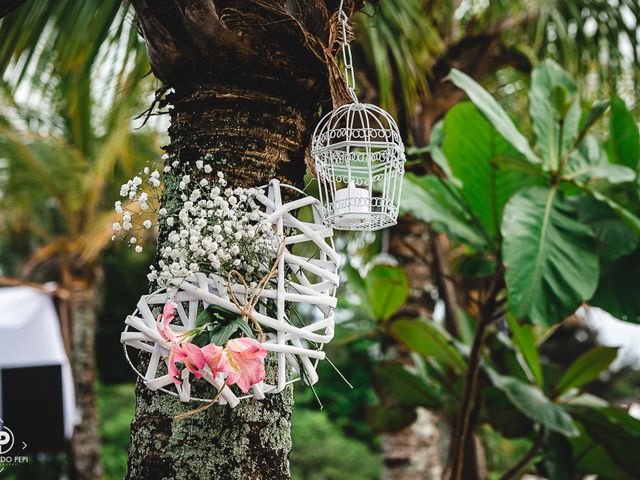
[(252, 297)]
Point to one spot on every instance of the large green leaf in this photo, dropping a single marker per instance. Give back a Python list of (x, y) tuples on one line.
[(550, 257), (552, 98), (586, 368), (397, 386), (525, 343), (624, 138), (427, 339), (618, 288), (616, 431), (494, 113), (438, 202), (388, 289), (473, 148), (534, 404)]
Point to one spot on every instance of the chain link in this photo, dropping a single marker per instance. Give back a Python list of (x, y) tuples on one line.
[(349, 73)]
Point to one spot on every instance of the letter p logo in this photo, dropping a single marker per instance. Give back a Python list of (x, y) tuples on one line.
[(6, 440)]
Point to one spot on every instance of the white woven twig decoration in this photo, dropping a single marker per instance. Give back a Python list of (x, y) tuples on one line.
[(315, 283)]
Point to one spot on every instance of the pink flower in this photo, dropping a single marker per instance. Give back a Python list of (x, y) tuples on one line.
[(163, 321), (246, 362), (216, 359), (190, 355), (174, 371)]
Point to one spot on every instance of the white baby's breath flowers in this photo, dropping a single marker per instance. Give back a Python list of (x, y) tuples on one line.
[(213, 230)]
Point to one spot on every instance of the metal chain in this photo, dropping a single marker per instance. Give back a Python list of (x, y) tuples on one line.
[(349, 74)]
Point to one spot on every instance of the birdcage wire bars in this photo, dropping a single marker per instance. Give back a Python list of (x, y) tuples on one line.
[(359, 159)]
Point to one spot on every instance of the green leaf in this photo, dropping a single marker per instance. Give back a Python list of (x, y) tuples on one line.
[(390, 419), (472, 147), (503, 416), (624, 136), (436, 201), (586, 368), (494, 113), (550, 257), (547, 79), (223, 332), (525, 342), (397, 386), (427, 339), (589, 164), (558, 460), (388, 290), (616, 431), (630, 219), (533, 403), (618, 289), (614, 237)]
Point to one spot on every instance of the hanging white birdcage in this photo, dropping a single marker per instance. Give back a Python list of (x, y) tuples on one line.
[(359, 159)]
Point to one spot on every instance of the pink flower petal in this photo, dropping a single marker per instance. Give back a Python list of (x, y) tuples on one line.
[(163, 321), (215, 358), (246, 359)]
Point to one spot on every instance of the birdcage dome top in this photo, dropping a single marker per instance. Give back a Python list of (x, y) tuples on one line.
[(356, 125)]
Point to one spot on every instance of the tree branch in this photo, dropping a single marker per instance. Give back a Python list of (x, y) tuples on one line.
[(463, 426)]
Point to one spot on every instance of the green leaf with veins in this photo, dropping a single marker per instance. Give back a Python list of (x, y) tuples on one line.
[(550, 257), (551, 84), (615, 238), (494, 113), (438, 202), (474, 160), (534, 404), (589, 164), (429, 340)]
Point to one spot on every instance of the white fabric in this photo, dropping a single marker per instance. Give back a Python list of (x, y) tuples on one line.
[(30, 337)]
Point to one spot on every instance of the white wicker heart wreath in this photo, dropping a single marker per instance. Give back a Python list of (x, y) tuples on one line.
[(310, 279)]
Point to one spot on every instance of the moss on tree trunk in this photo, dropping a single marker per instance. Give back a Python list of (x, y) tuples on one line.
[(255, 127)]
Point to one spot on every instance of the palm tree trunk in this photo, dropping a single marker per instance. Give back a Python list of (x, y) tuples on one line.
[(255, 127), (85, 447)]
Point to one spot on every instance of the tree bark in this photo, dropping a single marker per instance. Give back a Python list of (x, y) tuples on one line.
[(255, 127), (85, 447)]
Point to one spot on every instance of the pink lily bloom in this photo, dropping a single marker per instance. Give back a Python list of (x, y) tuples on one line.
[(216, 359), (246, 361), (163, 321), (190, 355)]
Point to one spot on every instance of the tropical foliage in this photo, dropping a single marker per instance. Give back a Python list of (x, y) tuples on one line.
[(537, 230)]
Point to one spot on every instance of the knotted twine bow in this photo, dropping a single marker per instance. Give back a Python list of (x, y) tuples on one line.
[(252, 299), (246, 312)]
